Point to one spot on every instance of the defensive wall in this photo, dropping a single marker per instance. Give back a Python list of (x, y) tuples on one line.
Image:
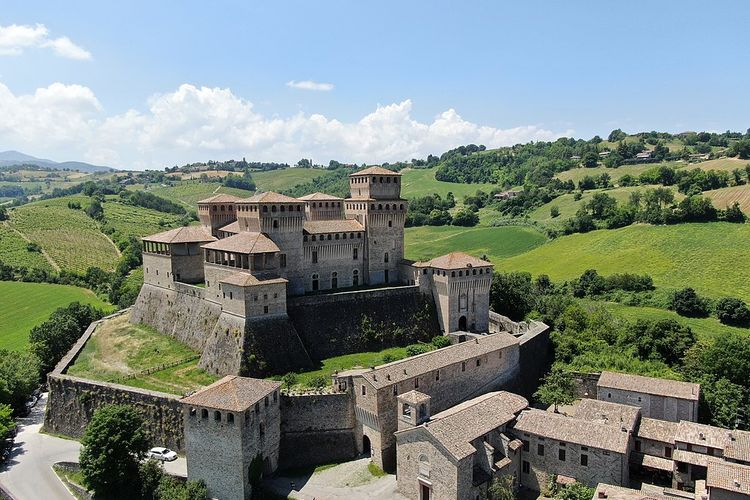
[(536, 357)]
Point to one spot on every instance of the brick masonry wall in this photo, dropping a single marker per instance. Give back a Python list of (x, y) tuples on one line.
[(317, 429)]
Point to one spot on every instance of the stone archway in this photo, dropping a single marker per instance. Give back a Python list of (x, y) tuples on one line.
[(462, 323), (366, 446)]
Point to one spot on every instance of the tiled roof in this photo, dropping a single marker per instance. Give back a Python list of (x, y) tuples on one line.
[(185, 234), (244, 242), (735, 443), (457, 427), (221, 198), (658, 430), (376, 171), (414, 397), (738, 447), (247, 279), (604, 412), (572, 430), (232, 227), (649, 385), (611, 492), (420, 364), (690, 457), (232, 393), (320, 196), (269, 197), (651, 461), (455, 260), (332, 226), (728, 476)]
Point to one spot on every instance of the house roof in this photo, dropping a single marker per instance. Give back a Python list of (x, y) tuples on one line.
[(691, 457), (735, 443), (728, 476), (612, 492), (654, 429), (458, 426), (247, 279), (319, 196), (398, 371), (375, 171), (572, 430), (232, 227), (244, 242), (414, 397), (455, 260), (649, 385), (185, 234), (270, 197), (651, 461), (232, 393), (738, 447), (603, 412), (332, 226), (220, 198)]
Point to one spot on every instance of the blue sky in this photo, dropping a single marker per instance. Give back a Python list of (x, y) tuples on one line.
[(149, 84)]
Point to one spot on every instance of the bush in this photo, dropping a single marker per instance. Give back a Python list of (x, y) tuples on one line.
[(512, 295), (441, 341), (732, 311), (465, 217), (554, 212), (414, 349), (686, 302), (317, 382), (289, 380), (19, 376)]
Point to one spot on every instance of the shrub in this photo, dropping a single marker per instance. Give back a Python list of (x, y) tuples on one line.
[(465, 217), (414, 349), (289, 380), (554, 212), (732, 311), (512, 294), (317, 382), (441, 341), (686, 302)]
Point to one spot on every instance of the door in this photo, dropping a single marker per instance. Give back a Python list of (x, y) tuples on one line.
[(462, 323), (366, 446), (424, 492)]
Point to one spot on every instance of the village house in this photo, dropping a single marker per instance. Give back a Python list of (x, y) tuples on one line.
[(727, 481), (658, 398)]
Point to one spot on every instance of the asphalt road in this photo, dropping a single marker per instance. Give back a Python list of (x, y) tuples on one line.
[(28, 474)]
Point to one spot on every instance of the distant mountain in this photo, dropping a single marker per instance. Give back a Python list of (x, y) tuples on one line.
[(11, 158)]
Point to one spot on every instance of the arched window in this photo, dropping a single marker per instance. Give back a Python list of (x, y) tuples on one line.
[(265, 208), (385, 257), (334, 279), (424, 466), (355, 277), (222, 208), (283, 208), (204, 413), (275, 224), (273, 208), (315, 282), (217, 416)]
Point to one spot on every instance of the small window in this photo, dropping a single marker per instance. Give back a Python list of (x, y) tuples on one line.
[(275, 396), (540, 450), (230, 418), (364, 390), (265, 309), (525, 444), (192, 412), (437, 376), (609, 395), (217, 416), (667, 452), (585, 460), (561, 454), (416, 383), (525, 467), (395, 390), (463, 366), (479, 362), (204, 413), (282, 260), (265, 401)]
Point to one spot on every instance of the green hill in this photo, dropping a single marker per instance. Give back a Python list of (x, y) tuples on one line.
[(287, 178), (14, 251), (25, 305), (708, 257), (416, 182)]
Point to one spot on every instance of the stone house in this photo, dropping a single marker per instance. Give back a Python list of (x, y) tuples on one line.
[(458, 452), (727, 481), (658, 398), (449, 376), (232, 434), (590, 447), (651, 457)]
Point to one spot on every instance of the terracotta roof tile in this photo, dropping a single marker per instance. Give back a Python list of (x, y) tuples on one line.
[(247, 279), (245, 242), (320, 196), (186, 234), (269, 197), (729, 477), (232, 393), (455, 260), (232, 227), (611, 492), (397, 371), (654, 429), (332, 226), (649, 385), (603, 412), (375, 171), (221, 198), (735, 443), (572, 430)]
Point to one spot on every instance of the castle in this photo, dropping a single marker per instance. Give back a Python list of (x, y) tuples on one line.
[(250, 257)]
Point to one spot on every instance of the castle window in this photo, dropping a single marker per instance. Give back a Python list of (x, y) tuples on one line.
[(390, 223), (351, 235), (275, 396), (265, 296), (315, 257), (388, 180), (204, 413), (275, 295), (265, 401), (334, 279), (380, 206), (222, 208), (337, 235), (355, 277), (453, 274), (374, 180), (402, 206), (283, 209), (265, 309), (282, 260), (265, 208), (381, 180), (230, 296), (364, 390), (359, 235), (230, 418), (395, 390), (329, 237), (354, 253), (416, 383), (585, 460), (255, 298), (385, 257), (474, 272), (313, 237), (192, 412), (479, 362), (460, 273), (157, 272), (261, 429), (463, 366), (273, 208), (561, 454), (298, 208), (406, 410), (214, 208), (275, 224), (217, 416)]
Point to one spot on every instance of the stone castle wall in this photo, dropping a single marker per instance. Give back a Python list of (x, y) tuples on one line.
[(317, 429), (536, 357)]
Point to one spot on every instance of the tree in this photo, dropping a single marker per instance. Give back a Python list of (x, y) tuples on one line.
[(734, 214), (171, 488), (616, 135), (289, 380), (732, 311), (512, 294), (590, 159), (95, 210), (666, 339), (501, 488), (686, 302), (575, 491), (558, 388), (3, 213), (19, 376), (724, 404), (601, 205), (590, 283), (7, 424), (554, 212), (151, 473), (113, 445), (465, 217)]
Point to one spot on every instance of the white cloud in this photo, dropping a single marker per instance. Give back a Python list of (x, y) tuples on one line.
[(14, 39), (310, 85), (200, 123)]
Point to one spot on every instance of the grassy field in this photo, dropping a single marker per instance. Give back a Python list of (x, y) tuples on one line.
[(426, 242), (14, 251), (703, 256), (118, 350), (189, 193), (703, 327), (71, 238), (136, 221), (726, 197), (568, 205), (421, 182), (25, 305), (280, 180)]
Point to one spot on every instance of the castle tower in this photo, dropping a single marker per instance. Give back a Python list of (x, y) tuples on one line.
[(175, 256), (460, 284), (281, 218), (321, 206), (232, 434), (376, 203), (413, 409), (217, 211)]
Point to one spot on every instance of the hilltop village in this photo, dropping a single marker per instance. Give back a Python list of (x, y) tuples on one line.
[(449, 422)]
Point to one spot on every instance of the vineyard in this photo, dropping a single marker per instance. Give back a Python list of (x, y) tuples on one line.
[(130, 220), (14, 251)]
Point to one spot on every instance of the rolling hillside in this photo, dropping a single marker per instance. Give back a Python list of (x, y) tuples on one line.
[(726, 197), (421, 182)]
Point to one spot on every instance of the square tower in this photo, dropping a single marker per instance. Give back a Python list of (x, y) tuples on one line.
[(217, 211), (232, 434), (175, 256), (376, 203)]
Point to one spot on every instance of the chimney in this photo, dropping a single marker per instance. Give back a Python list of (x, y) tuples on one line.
[(602, 494), (702, 436), (736, 484)]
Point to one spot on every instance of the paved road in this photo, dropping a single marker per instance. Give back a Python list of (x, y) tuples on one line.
[(28, 474)]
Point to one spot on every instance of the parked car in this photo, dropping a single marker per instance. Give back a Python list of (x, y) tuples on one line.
[(163, 454)]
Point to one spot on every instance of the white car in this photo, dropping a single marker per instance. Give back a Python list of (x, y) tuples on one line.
[(163, 454)]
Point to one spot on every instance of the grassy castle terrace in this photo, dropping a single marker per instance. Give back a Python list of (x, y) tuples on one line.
[(139, 356)]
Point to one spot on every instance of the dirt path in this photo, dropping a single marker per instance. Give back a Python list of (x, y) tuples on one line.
[(27, 240)]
